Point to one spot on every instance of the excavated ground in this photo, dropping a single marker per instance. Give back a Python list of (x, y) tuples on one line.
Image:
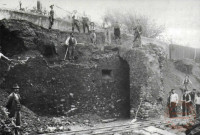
[(46, 81)]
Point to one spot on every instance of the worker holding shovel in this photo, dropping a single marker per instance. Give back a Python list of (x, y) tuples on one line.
[(70, 43)]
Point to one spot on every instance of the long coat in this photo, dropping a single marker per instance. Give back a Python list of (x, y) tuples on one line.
[(13, 104)]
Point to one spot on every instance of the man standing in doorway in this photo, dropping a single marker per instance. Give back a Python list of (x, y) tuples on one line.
[(51, 17), (75, 21), (71, 43), (173, 103)]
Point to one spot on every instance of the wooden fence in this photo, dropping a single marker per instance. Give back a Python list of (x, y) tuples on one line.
[(181, 52)]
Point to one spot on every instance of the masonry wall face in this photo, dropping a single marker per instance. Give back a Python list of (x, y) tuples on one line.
[(81, 89)]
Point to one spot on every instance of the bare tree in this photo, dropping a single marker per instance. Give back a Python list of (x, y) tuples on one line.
[(149, 27)]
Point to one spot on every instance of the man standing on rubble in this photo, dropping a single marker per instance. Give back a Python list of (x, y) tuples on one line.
[(137, 34), (75, 21), (85, 21), (193, 94), (168, 104), (13, 105), (71, 43), (117, 32), (188, 102), (186, 82), (51, 17), (173, 103), (107, 32)]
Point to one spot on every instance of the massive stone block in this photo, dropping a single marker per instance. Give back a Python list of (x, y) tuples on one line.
[(110, 82)]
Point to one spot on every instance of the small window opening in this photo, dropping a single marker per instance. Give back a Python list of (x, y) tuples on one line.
[(106, 74)]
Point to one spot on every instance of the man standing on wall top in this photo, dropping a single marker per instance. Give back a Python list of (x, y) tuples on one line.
[(75, 21), (51, 17), (107, 31), (85, 21), (117, 32), (137, 34), (71, 43)]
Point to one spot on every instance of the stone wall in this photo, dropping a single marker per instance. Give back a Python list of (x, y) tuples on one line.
[(145, 80), (110, 82), (47, 90), (36, 19)]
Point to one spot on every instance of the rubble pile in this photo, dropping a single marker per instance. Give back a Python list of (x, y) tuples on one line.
[(101, 81)]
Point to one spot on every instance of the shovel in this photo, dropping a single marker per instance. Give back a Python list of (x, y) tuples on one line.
[(134, 120), (66, 53)]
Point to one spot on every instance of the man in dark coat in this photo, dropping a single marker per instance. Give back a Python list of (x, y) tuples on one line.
[(51, 17), (137, 34), (85, 21), (14, 105)]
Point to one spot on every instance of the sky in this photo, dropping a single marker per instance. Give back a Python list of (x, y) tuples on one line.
[(180, 17)]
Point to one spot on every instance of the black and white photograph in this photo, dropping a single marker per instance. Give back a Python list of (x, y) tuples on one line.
[(99, 67)]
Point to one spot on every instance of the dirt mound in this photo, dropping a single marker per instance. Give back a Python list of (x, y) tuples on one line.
[(184, 66)]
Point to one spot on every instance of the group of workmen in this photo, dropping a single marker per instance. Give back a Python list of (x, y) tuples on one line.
[(190, 101), (90, 26)]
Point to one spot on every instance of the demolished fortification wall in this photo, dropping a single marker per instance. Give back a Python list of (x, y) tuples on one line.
[(109, 82)]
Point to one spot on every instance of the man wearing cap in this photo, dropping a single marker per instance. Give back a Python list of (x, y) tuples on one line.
[(71, 43), (51, 17), (13, 105), (173, 103), (75, 21)]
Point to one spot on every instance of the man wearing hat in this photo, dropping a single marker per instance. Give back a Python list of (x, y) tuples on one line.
[(70, 43), (173, 103), (51, 17), (93, 37), (75, 21), (14, 105)]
